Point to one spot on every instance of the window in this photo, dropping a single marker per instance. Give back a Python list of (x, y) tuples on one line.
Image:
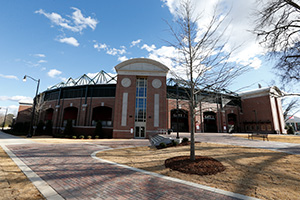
[(141, 100)]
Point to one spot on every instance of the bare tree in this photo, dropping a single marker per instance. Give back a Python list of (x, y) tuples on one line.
[(39, 107), (289, 108), (202, 62), (277, 28)]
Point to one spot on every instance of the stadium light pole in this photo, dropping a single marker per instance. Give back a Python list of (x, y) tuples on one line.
[(4, 118), (34, 103)]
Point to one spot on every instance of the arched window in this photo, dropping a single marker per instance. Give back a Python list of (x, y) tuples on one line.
[(70, 113), (49, 114), (103, 114)]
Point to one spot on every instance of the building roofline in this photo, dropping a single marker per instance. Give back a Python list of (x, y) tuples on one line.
[(142, 60), (273, 90)]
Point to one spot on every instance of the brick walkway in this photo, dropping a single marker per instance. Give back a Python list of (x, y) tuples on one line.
[(74, 174)]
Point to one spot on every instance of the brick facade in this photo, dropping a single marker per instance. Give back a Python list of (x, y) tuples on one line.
[(24, 113), (259, 110)]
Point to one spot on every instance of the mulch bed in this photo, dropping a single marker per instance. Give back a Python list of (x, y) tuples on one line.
[(202, 165)]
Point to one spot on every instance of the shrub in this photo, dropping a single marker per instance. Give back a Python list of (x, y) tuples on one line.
[(81, 136), (162, 145), (185, 139), (58, 135), (98, 130), (174, 143), (48, 129), (74, 137), (89, 137), (97, 137), (21, 128), (69, 128), (290, 130), (40, 128)]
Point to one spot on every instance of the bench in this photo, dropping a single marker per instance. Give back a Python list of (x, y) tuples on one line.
[(164, 131), (262, 135)]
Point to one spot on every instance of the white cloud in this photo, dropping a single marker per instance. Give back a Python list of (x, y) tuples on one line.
[(122, 58), (82, 21), (148, 48), (70, 41), (42, 61), (9, 76), (164, 54), (39, 55), (114, 51), (53, 73), (100, 46), (238, 23), (12, 109), (16, 98), (76, 23), (255, 63), (135, 42)]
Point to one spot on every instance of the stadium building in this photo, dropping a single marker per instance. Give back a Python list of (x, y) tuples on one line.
[(140, 101)]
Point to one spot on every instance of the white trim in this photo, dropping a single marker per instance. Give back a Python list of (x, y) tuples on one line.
[(104, 127), (124, 109), (272, 91), (142, 73), (156, 110), (161, 66), (125, 131)]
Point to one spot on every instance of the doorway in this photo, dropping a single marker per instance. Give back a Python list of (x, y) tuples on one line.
[(183, 120), (210, 122), (140, 130), (232, 123)]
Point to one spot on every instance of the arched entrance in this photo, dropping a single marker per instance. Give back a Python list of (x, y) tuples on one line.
[(210, 122), (103, 114), (183, 120), (232, 127), (49, 114), (70, 113)]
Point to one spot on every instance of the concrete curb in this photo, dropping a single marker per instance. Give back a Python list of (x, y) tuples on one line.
[(211, 189), (47, 191)]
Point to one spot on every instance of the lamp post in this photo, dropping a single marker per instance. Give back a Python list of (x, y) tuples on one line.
[(4, 118), (177, 137), (34, 103)]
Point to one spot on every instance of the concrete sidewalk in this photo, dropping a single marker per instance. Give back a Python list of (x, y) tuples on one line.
[(7, 139), (225, 138)]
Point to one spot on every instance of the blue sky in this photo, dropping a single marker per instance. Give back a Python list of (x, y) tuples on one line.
[(55, 40)]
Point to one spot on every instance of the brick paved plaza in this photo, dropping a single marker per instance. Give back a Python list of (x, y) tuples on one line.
[(74, 174), (71, 171)]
